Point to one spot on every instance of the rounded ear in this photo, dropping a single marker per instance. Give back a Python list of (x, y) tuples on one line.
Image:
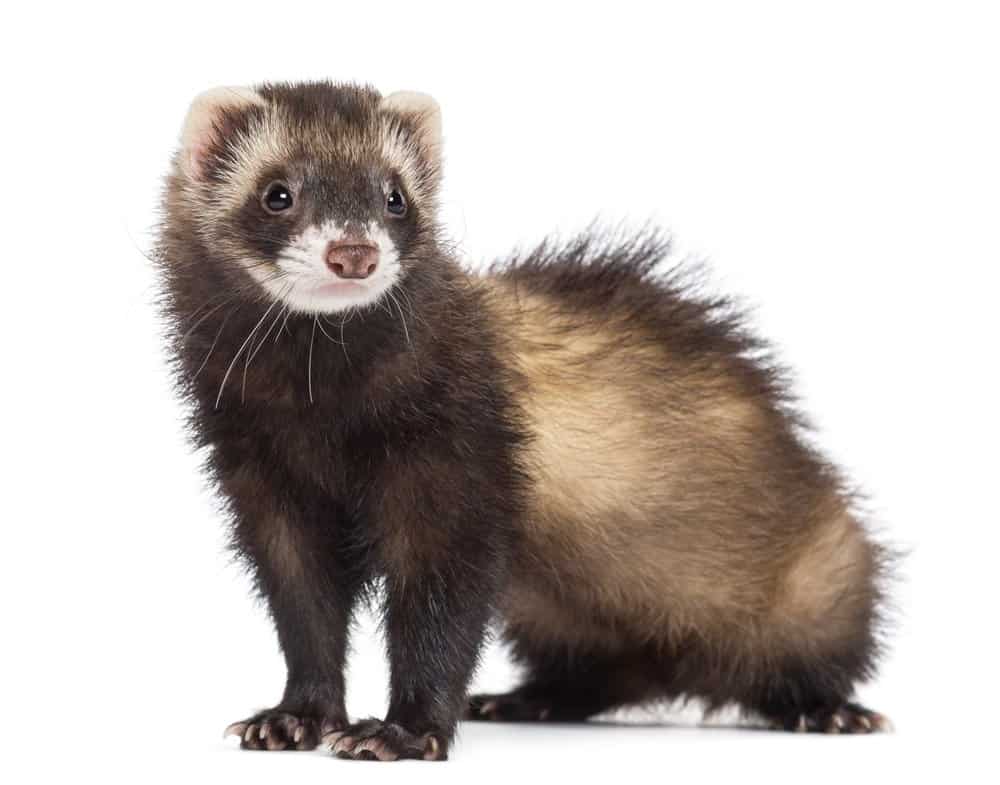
[(205, 125), (424, 114)]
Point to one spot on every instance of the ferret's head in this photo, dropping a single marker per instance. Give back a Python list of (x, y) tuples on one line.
[(317, 195)]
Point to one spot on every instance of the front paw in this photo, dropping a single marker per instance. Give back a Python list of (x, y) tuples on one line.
[(377, 740), (274, 729)]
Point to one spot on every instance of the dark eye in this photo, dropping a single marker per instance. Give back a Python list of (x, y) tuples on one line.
[(278, 197), (395, 204)]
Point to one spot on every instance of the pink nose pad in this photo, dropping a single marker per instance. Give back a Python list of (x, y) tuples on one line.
[(352, 258)]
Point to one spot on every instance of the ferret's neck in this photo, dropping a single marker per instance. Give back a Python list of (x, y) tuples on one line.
[(257, 352)]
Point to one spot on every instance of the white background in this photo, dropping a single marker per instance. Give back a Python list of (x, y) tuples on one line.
[(836, 163)]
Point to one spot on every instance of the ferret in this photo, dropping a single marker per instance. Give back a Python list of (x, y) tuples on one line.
[(574, 446)]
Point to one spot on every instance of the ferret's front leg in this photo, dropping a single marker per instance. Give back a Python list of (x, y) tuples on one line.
[(434, 636), (445, 549), (309, 580), (312, 631)]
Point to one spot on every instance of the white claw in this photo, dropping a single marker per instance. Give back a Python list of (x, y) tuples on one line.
[(299, 733), (330, 738), (801, 727), (249, 733), (236, 729), (377, 748), (275, 743), (883, 724), (433, 748)]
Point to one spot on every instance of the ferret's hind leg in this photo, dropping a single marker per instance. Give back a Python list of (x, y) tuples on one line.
[(568, 687), (813, 697), (822, 637)]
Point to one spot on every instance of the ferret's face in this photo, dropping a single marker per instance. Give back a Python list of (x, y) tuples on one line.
[(315, 195)]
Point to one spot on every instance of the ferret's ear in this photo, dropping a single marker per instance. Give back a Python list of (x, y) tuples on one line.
[(207, 124), (424, 115)]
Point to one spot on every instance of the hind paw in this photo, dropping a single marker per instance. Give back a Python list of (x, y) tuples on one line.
[(847, 718), (508, 707)]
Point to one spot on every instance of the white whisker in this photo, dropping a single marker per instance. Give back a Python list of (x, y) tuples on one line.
[(284, 323), (194, 326), (214, 342), (229, 370), (322, 329), (402, 318), (253, 353), (311, 340), (343, 343)]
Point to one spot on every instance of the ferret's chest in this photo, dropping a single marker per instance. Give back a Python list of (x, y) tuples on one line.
[(325, 452)]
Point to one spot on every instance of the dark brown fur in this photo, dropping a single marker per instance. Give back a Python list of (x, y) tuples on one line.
[(573, 443)]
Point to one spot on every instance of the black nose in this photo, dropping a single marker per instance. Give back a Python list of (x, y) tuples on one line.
[(352, 258)]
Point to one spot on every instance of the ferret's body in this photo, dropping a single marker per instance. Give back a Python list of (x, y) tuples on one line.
[(674, 514), (571, 445)]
